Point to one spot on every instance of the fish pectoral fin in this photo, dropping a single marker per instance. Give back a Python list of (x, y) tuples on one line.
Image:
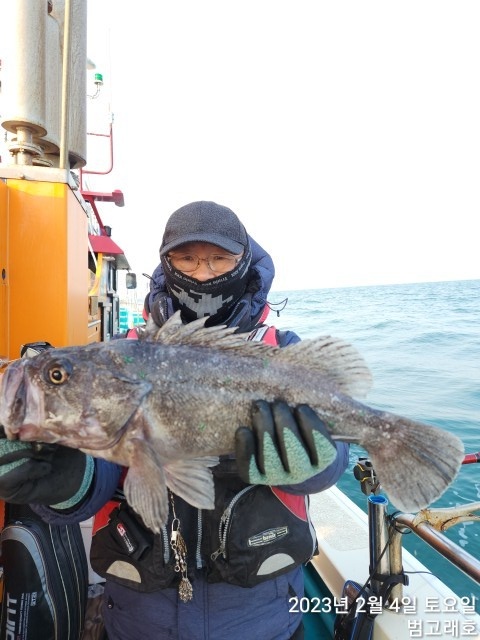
[(192, 480), (145, 489)]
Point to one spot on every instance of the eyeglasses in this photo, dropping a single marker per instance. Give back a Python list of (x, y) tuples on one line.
[(217, 263)]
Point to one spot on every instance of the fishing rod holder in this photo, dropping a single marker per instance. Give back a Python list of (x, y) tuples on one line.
[(365, 474), (376, 593), (378, 541), (386, 572)]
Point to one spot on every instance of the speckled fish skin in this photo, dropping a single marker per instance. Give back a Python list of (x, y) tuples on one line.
[(168, 405)]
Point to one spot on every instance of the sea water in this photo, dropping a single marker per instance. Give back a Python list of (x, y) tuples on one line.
[(422, 345)]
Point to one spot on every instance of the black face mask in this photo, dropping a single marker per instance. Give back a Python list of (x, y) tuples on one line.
[(214, 298)]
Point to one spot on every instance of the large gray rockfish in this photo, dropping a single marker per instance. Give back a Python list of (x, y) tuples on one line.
[(168, 404)]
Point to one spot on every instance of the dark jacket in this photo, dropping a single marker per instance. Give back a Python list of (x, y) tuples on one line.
[(218, 609)]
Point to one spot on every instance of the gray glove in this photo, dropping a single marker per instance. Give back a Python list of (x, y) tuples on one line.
[(283, 446), (43, 474)]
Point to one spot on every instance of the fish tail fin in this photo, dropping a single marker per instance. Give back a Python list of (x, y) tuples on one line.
[(415, 463)]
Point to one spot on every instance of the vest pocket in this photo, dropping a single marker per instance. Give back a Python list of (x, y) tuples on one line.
[(260, 537), (128, 553)]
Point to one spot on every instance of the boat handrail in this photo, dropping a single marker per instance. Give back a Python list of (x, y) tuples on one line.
[(421, 527)]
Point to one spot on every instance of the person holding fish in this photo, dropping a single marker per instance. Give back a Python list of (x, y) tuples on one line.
[(221, 553)]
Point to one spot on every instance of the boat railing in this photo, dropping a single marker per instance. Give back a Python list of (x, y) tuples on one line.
[(428, 524), (386, 535)]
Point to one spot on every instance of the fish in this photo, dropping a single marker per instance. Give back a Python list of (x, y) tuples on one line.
[(168, 405)]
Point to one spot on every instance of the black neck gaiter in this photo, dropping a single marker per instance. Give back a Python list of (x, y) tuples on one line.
[(214, 298)]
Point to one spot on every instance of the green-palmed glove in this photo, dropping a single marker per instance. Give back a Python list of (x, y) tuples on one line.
[(283, 446), (46, 474)]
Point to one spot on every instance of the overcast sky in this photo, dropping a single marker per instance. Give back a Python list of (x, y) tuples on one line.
[(345, 134)]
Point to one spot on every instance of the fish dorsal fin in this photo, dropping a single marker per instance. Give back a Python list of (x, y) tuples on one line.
[(192, 333), (337, 360)]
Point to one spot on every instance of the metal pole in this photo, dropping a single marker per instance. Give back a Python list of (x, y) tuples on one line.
[(378, 539), (64, 130)]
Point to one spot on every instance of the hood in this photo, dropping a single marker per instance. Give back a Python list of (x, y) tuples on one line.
[(247, 312)]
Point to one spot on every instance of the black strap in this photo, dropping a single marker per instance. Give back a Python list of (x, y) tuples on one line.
[(388, 582)]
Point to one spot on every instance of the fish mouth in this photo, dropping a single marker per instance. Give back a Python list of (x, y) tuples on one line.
[(13, 400), (30, 433)]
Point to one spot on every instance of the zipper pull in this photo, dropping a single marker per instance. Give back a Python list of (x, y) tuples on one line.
[(218, 552)]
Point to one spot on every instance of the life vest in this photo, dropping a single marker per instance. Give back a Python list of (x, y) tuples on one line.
[(264, 334)]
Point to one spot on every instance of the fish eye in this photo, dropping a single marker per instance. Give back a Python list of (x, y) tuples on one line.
[(59, 373)]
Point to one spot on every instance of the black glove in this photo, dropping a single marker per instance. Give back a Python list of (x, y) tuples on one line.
[(283, 446), (43, 474)]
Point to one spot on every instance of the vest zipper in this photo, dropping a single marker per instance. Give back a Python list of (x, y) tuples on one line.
[(198, 556), (166, 545), (225, 522)]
